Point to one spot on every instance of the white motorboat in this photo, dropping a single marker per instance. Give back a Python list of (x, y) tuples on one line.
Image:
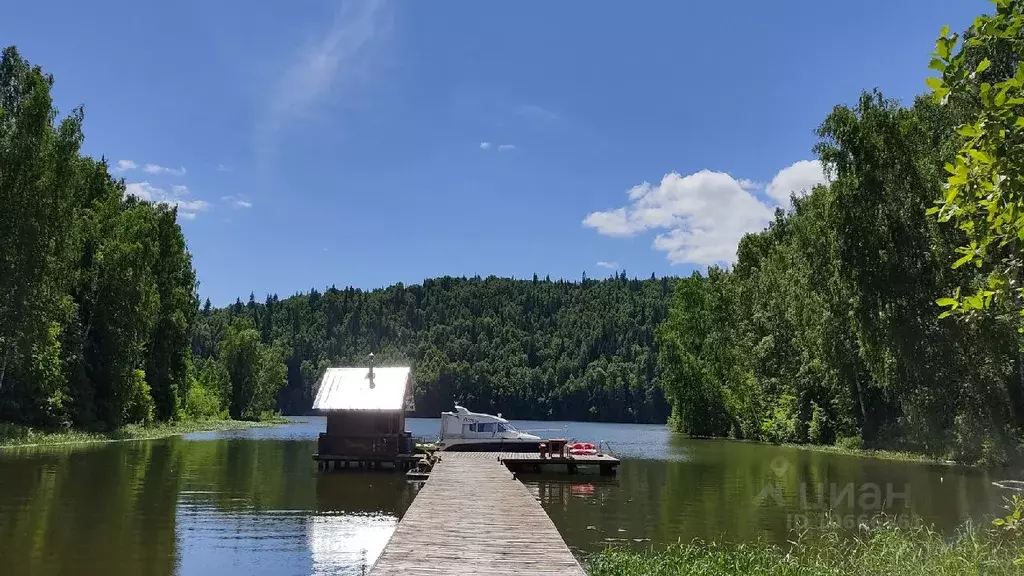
[(464, 431)]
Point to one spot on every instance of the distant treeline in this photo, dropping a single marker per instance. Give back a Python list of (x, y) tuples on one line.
[(532, 349)]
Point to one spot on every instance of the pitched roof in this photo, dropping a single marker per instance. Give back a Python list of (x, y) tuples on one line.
[(351, 389)]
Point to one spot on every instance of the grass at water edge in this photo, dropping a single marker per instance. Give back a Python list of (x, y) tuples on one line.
[(17, 436)]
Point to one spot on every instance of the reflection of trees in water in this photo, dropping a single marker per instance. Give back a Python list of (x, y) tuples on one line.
[(106, 510), (715, 493), (275, 475), (113, 509)]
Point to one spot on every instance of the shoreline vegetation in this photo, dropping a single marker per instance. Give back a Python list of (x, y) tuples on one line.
[(856, 451), (886, 546), (882, 454), (18, 436)]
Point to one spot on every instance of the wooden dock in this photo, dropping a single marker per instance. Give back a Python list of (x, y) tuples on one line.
[(472, 517), (534, 462)]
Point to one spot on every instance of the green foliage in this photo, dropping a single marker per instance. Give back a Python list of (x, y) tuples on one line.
[(208, 395), (256, 372), (203, 402), (984, 188), (37, 185), (782, 424), (826, 325), (1013, 525), (849, 443), (20, 435), (883, 548), (169, 349), (818, 431), (139, 405), (695, 349), (96, 290), (1012, 522)]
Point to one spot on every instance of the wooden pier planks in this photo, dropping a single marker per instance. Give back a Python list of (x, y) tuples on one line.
[(532, 457), (471, 517)]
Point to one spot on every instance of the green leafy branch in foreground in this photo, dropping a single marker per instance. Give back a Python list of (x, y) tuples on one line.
[(887, 548), (984, 192)]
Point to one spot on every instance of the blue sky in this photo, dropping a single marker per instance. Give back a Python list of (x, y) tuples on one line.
[(365, 143)]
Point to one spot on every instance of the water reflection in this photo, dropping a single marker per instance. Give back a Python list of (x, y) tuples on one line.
[(261, 507), (347, 544), (252, 502), (108, 509), (741, 492), (176, 506)]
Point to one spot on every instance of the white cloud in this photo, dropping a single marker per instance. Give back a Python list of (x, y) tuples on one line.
[(608, 265), (157, 169), (485, 145), (125, 165), (237, 201), (223, 168), (320, 65), (505, 147), (191, 205), (750, 185), (187, 209), (535, 112), (798, 178), (701, 216)]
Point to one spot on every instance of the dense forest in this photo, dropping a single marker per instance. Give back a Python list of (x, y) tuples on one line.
[(828, 326), (532, 348), (97, 290)]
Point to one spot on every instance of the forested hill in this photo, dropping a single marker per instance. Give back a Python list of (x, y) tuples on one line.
[(527, 348)]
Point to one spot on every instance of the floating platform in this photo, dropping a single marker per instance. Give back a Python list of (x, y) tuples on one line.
[(472, 517), (514, 461), (534, 462), (401, 462)]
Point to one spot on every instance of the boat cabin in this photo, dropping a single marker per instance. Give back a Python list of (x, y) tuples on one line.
[(465, 430), (365, 410)]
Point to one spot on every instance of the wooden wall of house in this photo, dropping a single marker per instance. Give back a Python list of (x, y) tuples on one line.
[(356, 423)]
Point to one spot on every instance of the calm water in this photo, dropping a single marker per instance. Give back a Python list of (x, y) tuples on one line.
[(252, 502)]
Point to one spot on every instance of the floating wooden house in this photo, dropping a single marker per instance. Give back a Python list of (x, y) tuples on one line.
[(365, 409)]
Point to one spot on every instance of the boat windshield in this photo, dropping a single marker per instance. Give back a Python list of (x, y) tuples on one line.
[(493, 427)]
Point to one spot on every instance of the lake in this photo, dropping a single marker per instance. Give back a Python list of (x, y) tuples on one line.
[(252, 501)]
